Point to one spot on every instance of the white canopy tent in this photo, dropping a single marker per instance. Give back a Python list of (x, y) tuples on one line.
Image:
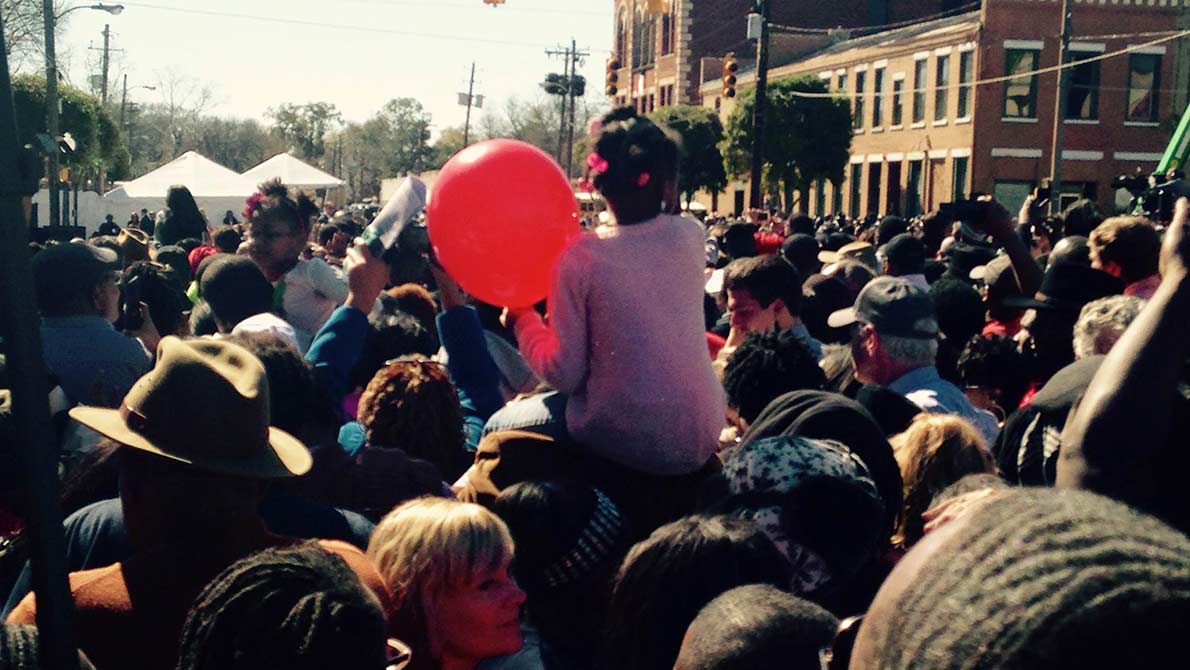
[(293, 173), (215, 188)]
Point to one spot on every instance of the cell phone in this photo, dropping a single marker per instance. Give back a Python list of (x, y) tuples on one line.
[(1043, 191), (130, 314), (966, 211)]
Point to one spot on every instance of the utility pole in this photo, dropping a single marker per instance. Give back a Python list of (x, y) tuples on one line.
[(123, 105), (1059, 113), (758, 111), (470, 99), (107, 36), (569, 86), (570, 91), (51, 110)]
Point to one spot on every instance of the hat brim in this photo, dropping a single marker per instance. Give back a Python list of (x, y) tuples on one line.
[(978, 273), (842, 318), (828, 257), (285, 457)]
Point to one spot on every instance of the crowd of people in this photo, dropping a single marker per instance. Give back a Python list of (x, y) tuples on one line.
[(767, 442)]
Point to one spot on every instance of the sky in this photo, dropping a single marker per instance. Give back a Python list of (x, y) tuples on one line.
[(356, 54)]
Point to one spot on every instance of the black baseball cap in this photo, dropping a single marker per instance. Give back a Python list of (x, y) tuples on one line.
[(1067, 287), (906, 253), (894, 307)]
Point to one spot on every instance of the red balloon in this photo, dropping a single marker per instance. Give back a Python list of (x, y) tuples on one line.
[(500, 214)]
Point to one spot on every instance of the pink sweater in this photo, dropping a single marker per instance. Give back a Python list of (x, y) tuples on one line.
[(626, 343)]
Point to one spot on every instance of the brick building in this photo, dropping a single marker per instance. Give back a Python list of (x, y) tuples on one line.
[(927, 131), (662, 53)]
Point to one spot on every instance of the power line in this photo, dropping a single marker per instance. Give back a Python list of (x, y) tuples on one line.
[(472, 6), (1021, 75), (874, 29), (323, 24)]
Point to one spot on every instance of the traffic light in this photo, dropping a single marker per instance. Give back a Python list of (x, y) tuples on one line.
[(578, 85), (554, 84), (730, 68), (613, 76)]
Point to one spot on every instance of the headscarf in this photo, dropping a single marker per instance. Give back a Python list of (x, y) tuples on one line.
[(830, 416), (814, 499)]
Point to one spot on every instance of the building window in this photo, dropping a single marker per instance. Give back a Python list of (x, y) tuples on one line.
[(667, 34), (919, 90), (670, 95), (857, 115), (836, 197), (875, 171), (966, 76), (897, 113), (652, 102), (941, 87), (644, 40), (857, 176), (622, 34), (958, 189), (718, 104), (819, 197), (661, 93), (913, 189), (842, 84), (878, 97), (1082, 98), (1144, 77), (1020, 92)]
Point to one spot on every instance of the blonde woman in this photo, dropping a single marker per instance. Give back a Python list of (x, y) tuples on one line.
[(935, 451), (447, 564)]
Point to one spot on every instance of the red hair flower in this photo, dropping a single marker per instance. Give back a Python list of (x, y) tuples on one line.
[(597, 163), (252, 204), (643, 179)]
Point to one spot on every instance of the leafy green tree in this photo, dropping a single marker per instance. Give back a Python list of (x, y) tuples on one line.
[(406, 132), (806, 138), (304, 127), (450, 142), (701, 133), (100, 146)]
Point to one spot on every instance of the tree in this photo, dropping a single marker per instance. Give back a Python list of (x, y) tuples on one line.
[(304, 127), (24, 33), (239, 144), (537, 121), (806, 138), (100, 146), (701, 133), (406, 142), (450, 142)]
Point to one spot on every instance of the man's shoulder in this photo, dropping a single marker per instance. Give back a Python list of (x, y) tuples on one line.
[(101, 589)]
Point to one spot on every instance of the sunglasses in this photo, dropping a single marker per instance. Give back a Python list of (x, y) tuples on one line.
[(837, 656)]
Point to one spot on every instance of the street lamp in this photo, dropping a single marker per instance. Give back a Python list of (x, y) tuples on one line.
[(51, 92)]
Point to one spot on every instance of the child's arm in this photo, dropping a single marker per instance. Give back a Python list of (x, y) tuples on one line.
[(558, 352)]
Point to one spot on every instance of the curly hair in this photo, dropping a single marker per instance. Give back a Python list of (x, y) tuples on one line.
[(935, 451), (768, 365), (299, 608), (633, 145), (412, 405), (272, 203), (296, 399), (167, 304)]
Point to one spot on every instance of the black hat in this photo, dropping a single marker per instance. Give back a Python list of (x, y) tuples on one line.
[(998, 276), (63, 271), (894, 307), (963, 258), (889, 227), (1067, 287), (906, 253)]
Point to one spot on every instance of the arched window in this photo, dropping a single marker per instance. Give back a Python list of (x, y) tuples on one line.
[(644, 39), (667, 33), (622, 33)]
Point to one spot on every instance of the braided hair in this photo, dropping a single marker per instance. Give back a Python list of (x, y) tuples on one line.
[(1040, 579), (295, 608), (628, 147), (273, 203), (768, 365)]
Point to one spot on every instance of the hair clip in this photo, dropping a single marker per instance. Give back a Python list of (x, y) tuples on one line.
[(597, 163), (585, 185), (643, 179)]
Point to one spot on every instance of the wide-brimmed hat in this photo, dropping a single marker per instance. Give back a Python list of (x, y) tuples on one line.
[(862, 251), (206, 404), (508, 457)]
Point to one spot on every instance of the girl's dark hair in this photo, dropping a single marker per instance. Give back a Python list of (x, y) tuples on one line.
[(292, 608), (633, 145), (547, 521), (157, 289), (669, 577), (272, 203)]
